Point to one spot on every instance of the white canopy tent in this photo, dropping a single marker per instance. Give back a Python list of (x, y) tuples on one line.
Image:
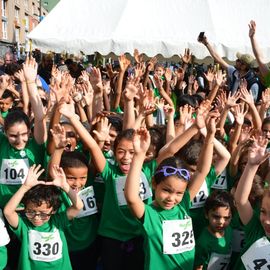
[(153, 27)]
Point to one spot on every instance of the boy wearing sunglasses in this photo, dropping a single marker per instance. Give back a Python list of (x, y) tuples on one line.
[(41, 231)]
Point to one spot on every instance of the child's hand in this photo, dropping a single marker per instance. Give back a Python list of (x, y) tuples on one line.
[(32, 177), (59, 178), (141, 140), (30, 69), (67, 109), (211, 126), (256, 154), (20, 75), (103, 129), (59, 137)]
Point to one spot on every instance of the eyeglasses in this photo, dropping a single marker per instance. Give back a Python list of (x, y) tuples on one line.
[(168, 170), (32, 214)]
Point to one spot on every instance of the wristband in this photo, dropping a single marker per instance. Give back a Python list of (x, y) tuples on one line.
[(30, 82)]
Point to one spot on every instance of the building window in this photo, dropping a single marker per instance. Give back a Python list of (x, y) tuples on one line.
[(17, 13), (26, 22), (17, 34), (4, 30), (33, 9), (26, 4), (4, 8)]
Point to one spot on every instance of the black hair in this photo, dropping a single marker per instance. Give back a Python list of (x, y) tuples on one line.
[(124, 134), (7, 94), (266, 121), (170, 161), (157, 136), (41, 193), (16, 116), (219, 198), (190, 152), (73, 159), (116, 122), (12, 68), (187, 100)]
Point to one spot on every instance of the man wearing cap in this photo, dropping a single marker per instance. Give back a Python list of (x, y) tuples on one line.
[(242, 70)]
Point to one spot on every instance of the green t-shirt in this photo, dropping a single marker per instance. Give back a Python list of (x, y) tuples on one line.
[(214, 250), (253, 231), (77, 240), (43, 247), (196, 210), (14, 165), (4, 114), (3, 257), (160, 239), (117, 221), (266, 80)]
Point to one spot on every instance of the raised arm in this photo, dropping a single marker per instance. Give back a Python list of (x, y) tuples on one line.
[(31, 181), (141, 142), (213, 53), (256, 156), (97, 156), (256, 50), (205, 159), (30, 74)]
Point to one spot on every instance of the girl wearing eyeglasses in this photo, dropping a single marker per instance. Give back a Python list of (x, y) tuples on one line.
[(169, 234), (41, 231)]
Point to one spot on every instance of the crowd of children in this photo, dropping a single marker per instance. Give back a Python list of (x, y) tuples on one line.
[(135, 166)]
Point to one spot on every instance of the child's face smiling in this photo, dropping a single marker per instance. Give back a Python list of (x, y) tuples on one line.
[(265, 215), (76, 177), (219, 219), (169, 192), (18, 135), (124, 154), (38, 215)]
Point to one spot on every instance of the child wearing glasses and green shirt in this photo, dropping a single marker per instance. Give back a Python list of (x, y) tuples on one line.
[(41, 231), (169, 239)]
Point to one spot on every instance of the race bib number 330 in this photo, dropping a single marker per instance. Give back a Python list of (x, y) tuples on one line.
[(45, 246), (177, 236)]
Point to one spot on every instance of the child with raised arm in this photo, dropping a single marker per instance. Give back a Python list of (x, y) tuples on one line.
[(169, 235), (255, 254), (41, 230)]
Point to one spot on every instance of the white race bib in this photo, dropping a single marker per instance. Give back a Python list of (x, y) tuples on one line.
[(177, 236), (219, 261), (144, 193), (45, 246), (221, 181), (257, 257), (4, 236), (238, 240), (201, 196), (14, 171), (87, 196)]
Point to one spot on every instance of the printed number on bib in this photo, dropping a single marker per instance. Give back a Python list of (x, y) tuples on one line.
[(257, 257), (221, 181), (14, 171), (200, 197), (87, 196), (219, 261), (45, 246), (145, 192), (177, 236)]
